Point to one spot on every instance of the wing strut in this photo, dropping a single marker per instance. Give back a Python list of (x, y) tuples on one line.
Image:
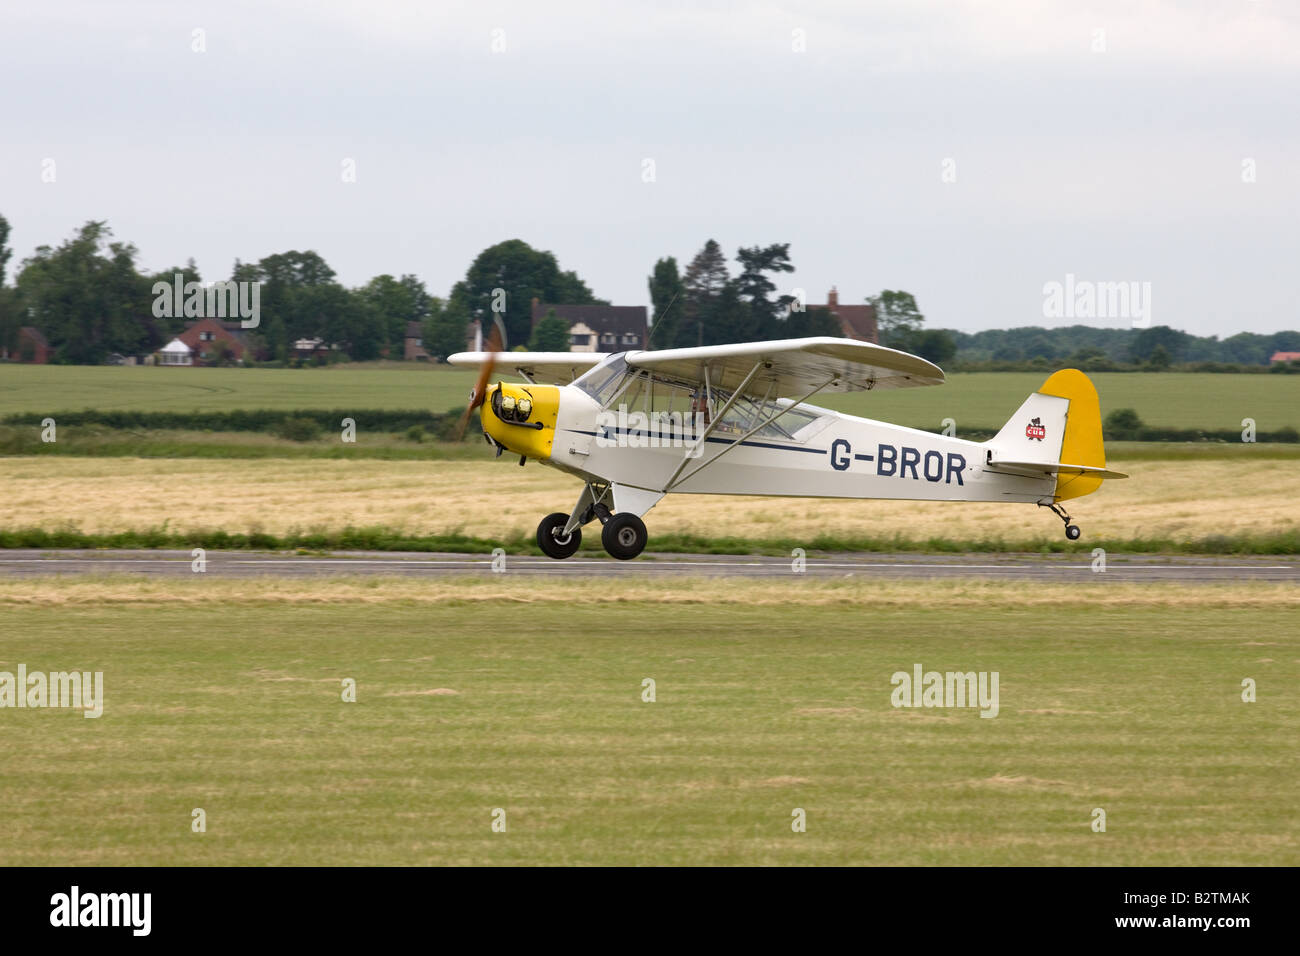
[(699, 442), (674, 482)]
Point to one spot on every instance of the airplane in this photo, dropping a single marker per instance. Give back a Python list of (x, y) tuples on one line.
[(736, 420)]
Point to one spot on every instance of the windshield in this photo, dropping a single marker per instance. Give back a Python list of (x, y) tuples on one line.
[(603, 381)]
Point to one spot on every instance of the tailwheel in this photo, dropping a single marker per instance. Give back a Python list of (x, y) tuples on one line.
[(624, 536), (1072, 531), (552, 539)]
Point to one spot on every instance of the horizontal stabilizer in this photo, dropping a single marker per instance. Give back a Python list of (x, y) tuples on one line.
[(1033, 469)]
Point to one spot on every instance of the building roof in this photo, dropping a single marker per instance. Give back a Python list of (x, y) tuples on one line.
[(599, 318), (857, 321), (1285, 357), (35, 334), (176, 347)]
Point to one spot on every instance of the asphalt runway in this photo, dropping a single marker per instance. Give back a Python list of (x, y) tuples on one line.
[(250, 564)]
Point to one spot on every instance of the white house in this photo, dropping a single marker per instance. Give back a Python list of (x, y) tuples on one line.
[(175, 352)]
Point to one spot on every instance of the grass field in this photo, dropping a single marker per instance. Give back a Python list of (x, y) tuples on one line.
[(973, 400), (499, 502), (770, 696)]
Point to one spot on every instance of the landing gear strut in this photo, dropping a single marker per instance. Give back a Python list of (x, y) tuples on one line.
[(623, 534), (1072, 531)]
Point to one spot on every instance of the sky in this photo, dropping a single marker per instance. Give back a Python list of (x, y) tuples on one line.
[(971, 153)]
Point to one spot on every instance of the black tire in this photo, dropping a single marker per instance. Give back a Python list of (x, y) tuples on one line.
[(1072, 532), (624, 536), (548, 537)]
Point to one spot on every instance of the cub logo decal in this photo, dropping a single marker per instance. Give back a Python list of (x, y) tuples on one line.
[(1035, 430)]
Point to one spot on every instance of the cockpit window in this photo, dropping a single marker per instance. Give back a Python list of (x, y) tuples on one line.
[(683, 404), (603, 381)]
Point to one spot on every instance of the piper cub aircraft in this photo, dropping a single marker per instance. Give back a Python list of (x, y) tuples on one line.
[(736, 420)]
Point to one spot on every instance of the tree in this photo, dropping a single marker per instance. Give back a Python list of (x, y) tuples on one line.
[(1123, 424), (5, 251), (87, 297), (730, 319), (754, 287), (167, 328), (444, 330), (898, 319), (396, 302), (550, 335), (1158, 360), (9, 323), (809, 322), (1090, 359), (1171, 341), (668, 299), (301, 299), (934, 345), (704, 281), (507, 277)]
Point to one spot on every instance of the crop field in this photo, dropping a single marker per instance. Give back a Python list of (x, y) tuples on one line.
[(769, 698), (973, 400), (499, 502)]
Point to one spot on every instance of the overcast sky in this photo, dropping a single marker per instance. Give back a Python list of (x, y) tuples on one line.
[(1107, 140)]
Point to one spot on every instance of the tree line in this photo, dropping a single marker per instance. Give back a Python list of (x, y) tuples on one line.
[(90, 299)]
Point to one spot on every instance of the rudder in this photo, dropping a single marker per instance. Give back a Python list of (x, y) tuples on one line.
[(1081, 443)]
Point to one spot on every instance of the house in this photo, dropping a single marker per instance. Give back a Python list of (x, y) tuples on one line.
[(856, 321), (309, 349), (204, 334), (1285, 357), (413, 344), (33, 348), (599, 328), (175, 352)]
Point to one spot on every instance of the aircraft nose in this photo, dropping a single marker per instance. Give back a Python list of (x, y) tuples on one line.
[(521, 418)]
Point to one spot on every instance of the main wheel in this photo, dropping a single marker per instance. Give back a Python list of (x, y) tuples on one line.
[(1072, 532), (552, 539), (624, 536)]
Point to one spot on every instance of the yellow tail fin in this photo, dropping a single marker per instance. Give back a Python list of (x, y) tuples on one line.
[(1081, 444)]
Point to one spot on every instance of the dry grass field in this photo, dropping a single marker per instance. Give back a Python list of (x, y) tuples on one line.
[(497, 499)]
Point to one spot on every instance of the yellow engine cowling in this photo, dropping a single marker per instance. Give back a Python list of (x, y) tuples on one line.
[(512, 414)]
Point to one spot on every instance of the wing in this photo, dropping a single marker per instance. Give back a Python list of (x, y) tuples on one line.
[(796, 366), (546, 368)]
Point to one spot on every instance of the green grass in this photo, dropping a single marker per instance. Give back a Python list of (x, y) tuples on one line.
[(1169, 400), (96, 441), (759, 710), (1284, 541), (974, 400), (49, 389)]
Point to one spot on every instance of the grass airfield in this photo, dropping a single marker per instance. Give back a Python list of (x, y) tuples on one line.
[(770, 696), (526, 694)]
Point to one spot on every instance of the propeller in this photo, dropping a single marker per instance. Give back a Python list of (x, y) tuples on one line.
[(496, 343)]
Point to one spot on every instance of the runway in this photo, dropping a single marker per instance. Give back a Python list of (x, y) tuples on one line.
[(251, 564)]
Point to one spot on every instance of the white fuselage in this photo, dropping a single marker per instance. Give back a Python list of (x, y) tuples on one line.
[(838, 456)]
